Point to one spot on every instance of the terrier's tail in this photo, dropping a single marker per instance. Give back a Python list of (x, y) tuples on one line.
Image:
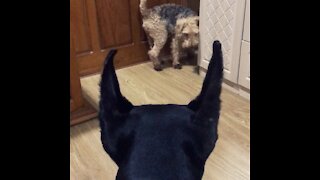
[(143, 8)]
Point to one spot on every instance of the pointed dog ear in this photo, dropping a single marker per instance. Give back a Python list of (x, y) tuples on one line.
[(114, 108), (207, 104), (111, 100)]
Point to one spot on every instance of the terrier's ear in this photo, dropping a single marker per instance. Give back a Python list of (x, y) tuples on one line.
[(112, 103), (180, 24), (207, 105)]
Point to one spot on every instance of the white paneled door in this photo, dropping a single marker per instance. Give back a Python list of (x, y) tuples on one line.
[(244, 70), (222, 20)]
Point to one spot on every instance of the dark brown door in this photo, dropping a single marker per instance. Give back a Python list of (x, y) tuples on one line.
[(80, 109), (105, 24), (76, 100)]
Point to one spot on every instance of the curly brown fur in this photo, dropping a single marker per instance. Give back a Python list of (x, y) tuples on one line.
[(169, 21)]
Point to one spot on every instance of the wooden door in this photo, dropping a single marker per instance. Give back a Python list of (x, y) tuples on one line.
[(193, 4), (80, 109), (105, 24), (76, 100)]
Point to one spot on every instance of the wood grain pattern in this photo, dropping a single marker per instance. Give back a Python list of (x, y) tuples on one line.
[(76, 99), (80, 109), (194, 5), (230, 159), (114, 23), (83, 40)]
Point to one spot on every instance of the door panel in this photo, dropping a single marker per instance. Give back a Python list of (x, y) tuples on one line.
[(76, 100), (105, 24), (115, 31), (83, 40)]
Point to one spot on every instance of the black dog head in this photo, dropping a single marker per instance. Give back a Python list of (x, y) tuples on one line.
[(152, 142)]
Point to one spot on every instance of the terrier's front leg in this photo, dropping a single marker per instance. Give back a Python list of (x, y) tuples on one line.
[(175, 51)]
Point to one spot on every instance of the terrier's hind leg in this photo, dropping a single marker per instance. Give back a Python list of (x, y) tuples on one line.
[(159, 35)]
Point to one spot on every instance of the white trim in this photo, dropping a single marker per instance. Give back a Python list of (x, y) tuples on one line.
[(244, 94), (237, 89), (239, 26)]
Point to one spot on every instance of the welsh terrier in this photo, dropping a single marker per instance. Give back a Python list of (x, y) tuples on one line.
[(179, 23)]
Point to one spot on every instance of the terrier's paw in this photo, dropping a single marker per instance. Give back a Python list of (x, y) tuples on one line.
[(157, 67), (177, 66)]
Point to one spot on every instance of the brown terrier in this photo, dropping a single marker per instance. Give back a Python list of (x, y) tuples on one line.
[(169, 20)]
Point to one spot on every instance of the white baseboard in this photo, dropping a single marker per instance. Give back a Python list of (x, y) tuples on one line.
[(235, 88)]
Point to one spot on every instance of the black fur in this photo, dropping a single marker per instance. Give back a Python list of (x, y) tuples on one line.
[(160, 142)]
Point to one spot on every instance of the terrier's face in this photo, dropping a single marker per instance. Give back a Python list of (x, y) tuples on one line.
[(187, 30)]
